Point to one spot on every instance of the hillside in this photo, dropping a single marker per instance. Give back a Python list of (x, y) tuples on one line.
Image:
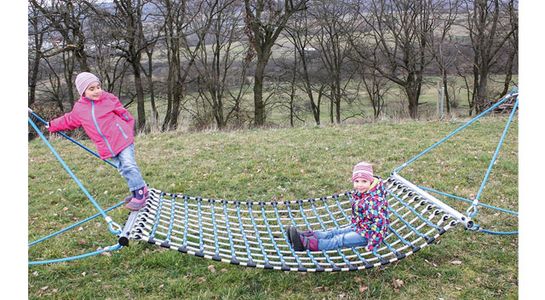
[(270, 164)]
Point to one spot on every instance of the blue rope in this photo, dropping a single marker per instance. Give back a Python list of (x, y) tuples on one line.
[(157, 215), (110, 222), (325, 228), (242, 231), (264, 217), (233, 254), (416, 213), (498, 232), (215, 228), (469, 201), (265, 257), (186, 222), (326, 256), (107, 249), (171, 221), (356, 251), (277, 215), (392, 229), (408, 225), (199, 215), (330, 213), (505, 98), (309, 254), (73, 225), (336, 197), (74, 141), (473, 207)]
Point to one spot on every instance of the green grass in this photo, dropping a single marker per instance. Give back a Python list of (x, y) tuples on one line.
[(265, 164)]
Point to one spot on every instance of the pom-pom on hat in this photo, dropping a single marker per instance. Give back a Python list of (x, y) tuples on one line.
[(363, 170), (84, 80)]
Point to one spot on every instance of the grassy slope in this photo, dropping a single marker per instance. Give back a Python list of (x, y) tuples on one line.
[(264, 164)]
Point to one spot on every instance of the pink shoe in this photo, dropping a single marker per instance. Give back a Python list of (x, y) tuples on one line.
[(310, 243), (139, 199), (127, 199)]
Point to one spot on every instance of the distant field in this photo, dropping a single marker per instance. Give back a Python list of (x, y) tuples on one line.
[(275, 163)]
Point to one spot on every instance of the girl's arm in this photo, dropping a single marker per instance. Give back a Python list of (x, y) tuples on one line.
[(378, 222), (122, 111), (66, 122)]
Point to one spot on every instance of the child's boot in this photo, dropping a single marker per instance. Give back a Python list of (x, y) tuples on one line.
[(310, 243), (128, 198), (139, 199), (302, 241), (295, 239)]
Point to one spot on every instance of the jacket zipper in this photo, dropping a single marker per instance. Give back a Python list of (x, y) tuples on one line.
[(98, 128), (121, 129)]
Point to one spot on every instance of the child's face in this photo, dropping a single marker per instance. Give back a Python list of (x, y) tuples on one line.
[(93, 91), (362, 185)]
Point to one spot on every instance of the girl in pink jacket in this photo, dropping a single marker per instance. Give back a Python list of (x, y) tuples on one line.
[(111, 127)]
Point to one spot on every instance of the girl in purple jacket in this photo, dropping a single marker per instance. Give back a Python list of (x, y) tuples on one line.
[(369, 224), (111, 128)]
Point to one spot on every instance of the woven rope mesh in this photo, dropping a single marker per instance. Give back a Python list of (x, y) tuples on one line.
[(254, 233)]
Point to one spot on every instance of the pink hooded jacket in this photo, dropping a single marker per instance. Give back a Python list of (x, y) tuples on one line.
[(109, 125)]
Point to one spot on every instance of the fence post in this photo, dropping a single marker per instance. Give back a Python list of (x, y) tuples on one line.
[(440, 101)]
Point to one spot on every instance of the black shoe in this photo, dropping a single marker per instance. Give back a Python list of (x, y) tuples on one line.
[(295, 240), (288, 233)]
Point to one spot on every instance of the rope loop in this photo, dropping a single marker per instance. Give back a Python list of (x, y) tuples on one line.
[(113, 226), (472, 211)]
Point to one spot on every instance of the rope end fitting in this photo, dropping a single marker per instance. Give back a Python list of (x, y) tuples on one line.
[(113, 226)]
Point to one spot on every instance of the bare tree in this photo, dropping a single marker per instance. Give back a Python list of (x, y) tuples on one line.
[(66, 17), (152, 32), (217, 62), (298, 33), (36, 32), (490, 28), (265, 20), (402, 30), (512, 49), (126, 23), (110, 65), (442, 43), (335, 21), (375, 85), (183, 19)]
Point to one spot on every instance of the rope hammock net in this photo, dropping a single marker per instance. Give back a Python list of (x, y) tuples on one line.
[(253, 234)]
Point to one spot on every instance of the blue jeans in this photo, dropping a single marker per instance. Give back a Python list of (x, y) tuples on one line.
[(339, 238), (126, 165)]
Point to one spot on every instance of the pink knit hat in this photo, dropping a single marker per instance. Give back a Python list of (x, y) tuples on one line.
[(363, 170), (84, 80)]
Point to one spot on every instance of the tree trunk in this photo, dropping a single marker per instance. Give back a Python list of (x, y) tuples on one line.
[(508, 72), (259, 105), (141, 112), (445, 90), (481, 97)]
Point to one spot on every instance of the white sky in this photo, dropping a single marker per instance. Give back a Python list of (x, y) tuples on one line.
[(14, 147)]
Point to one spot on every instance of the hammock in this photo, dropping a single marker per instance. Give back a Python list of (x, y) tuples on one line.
[(253, 234)]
